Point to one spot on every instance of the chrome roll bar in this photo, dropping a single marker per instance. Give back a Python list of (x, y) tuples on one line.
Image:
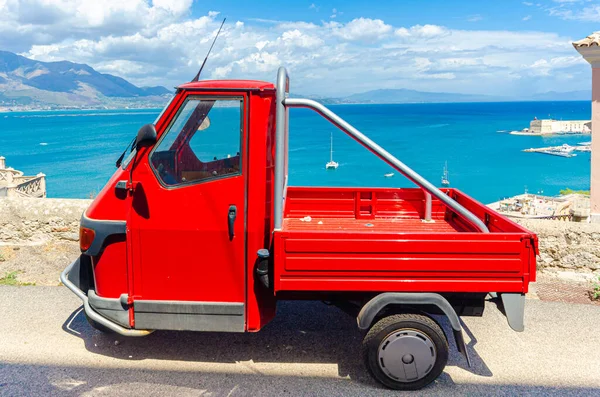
[(281, 135), (281, 139)]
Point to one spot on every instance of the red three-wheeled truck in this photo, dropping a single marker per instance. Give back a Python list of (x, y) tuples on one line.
[(198, 230)]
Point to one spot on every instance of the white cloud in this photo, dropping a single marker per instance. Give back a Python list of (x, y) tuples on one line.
[(575, 10), (176, 7), (129, 68), (361, 29), (526, 18), (587, 14), (440, 76), (297, 38), (327, 58), (422, 31), (50, 21), (545, 67), (335, 13)]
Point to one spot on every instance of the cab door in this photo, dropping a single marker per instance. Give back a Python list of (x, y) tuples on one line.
[(187, 222)]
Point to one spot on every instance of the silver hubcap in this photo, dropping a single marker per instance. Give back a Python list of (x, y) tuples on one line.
[(406, 355)]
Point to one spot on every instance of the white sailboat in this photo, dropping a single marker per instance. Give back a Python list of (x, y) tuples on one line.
[(331, 165), (445, 180)]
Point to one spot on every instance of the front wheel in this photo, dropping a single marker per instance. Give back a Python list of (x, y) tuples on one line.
[(405, 351)]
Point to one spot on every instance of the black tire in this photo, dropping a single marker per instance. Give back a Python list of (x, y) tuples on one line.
[(385, 329), (98, 326)]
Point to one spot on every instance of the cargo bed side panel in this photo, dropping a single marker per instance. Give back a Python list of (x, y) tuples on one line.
[(412, 262)]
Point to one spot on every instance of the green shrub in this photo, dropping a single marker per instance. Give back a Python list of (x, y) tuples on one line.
[(11, 279), (595, 292), (567, 191)]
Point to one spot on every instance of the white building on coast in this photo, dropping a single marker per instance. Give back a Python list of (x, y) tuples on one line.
[(549, 126)]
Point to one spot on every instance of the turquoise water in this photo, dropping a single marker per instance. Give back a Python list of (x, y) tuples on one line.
[(77, 149)]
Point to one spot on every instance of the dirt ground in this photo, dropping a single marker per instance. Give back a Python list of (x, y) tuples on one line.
[(38, 264), (38, 238)]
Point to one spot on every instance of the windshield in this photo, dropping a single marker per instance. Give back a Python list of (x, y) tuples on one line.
[(131, 147), (202, 142)]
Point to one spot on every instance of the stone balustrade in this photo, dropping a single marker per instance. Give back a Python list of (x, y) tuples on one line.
[(14, 184)]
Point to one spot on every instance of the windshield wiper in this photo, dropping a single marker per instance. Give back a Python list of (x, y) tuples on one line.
[(130, 147)]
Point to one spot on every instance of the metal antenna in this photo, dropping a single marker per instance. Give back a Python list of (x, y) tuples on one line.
[(208, 53)]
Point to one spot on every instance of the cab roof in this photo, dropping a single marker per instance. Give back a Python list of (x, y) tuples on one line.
[(228, 85)]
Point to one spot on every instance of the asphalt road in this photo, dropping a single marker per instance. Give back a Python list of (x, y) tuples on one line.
[(47, 348)]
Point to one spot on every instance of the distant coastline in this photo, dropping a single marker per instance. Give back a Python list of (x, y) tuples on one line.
[(159, 106), (82, 109)]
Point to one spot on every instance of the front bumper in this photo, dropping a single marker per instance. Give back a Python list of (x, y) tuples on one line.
[(64, 278)]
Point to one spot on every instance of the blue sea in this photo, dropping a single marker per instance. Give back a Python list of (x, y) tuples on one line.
[(77, 149)]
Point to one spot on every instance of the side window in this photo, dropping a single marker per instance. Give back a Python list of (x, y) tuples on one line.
[(202, 142)]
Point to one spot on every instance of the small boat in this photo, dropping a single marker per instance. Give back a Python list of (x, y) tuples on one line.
[(558, 153), (445, 180), (331, 165), (389, 175)]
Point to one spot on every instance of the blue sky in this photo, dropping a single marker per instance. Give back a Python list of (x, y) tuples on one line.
[(332, 48), (545, 16)]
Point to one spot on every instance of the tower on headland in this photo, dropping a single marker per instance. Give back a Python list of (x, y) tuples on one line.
[(589, 48)]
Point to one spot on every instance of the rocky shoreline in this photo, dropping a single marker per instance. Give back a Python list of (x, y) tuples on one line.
[(39, 237)]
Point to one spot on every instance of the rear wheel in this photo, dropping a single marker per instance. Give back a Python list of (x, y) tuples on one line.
[(97, 325), (405, 351)]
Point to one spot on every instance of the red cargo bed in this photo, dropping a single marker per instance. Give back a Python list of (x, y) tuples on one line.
[(362, 225), (349, 239)]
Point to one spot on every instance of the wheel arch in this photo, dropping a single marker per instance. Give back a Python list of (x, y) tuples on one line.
[(372, 308)]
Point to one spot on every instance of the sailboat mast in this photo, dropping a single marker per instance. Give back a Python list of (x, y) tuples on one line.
[(331, 148)]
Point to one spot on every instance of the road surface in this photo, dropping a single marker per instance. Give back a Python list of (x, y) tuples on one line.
[(47, 348)]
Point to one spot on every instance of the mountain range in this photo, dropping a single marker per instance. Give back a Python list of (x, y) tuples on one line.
[(30, 84), (35, 84)]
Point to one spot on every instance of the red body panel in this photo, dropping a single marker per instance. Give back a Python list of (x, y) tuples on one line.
[(110, 269), (374, 240)]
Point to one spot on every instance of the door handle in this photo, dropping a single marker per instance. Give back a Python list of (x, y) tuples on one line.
[(231, 220)]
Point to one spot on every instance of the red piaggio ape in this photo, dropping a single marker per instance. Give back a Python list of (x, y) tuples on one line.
[(198, 230)]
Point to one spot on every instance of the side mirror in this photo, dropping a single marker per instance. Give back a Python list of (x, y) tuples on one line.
[(146, 136)]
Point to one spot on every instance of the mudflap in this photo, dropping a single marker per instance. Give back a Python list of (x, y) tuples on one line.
[(514, 309), (461, 345)]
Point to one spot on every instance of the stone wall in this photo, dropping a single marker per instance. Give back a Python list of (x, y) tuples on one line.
[(35, 221), (566, 246), (39, 238)]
